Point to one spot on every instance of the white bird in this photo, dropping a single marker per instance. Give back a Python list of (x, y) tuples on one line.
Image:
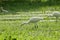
[(33, 20), (3, 10), (55, 14)]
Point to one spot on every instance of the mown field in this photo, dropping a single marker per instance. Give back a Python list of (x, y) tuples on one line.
[(10, 23), (47, 30)]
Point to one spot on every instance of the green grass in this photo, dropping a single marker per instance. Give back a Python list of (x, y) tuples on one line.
[(45, 31), (28, 7)]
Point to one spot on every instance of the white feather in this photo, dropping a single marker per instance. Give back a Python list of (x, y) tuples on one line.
[(33, 20), (3, 10)]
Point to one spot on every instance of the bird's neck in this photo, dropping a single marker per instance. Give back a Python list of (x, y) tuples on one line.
[(2, 9)]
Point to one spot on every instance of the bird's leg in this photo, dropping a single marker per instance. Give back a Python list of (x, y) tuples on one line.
[(36, 26), (56, 19)]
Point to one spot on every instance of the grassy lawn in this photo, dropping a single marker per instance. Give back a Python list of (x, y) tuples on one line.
[(46, 30)]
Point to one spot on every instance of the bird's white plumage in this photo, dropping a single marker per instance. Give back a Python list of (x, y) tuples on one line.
[(33, 20), (56, 13), (3, 10)]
